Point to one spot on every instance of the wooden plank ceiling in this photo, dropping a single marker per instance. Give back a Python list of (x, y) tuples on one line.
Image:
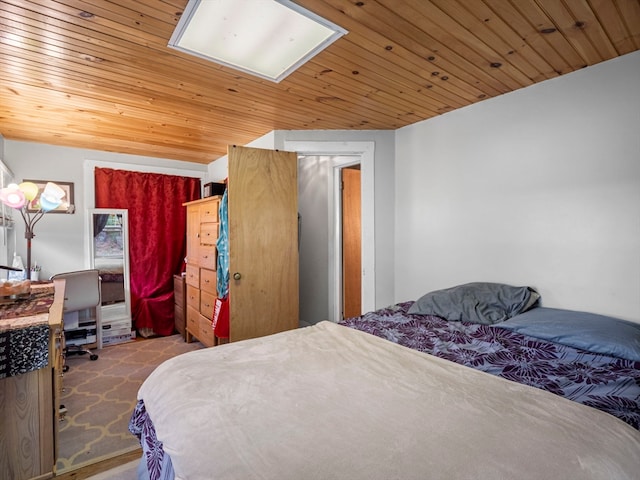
[(98, 74)]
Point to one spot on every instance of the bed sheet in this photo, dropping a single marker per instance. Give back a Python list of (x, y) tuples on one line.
[(607, 383)]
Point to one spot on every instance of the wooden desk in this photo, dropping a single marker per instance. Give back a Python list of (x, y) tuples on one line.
[(29, 403)]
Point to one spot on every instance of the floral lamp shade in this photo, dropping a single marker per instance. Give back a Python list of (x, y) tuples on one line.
[(17, 196), (24, 197)]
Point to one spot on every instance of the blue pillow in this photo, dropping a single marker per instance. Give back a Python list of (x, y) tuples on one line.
[(587, 331)]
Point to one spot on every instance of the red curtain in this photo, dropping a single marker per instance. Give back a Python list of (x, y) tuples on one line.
[(157, 240)]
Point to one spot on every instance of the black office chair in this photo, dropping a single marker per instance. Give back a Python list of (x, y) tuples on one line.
[(81, 293)]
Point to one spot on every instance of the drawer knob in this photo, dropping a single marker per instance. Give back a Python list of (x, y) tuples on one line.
[(237, 276)]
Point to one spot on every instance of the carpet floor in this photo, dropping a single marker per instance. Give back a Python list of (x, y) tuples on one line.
[(100, 396)]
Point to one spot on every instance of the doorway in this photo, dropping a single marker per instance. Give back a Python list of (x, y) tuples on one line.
[(320, 168)]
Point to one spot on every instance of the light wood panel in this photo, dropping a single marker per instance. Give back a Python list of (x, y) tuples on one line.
[(263, 242), (351, 243), (98, 73)]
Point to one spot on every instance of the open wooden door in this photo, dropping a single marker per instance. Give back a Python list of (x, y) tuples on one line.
[(263, 242), (351, 243)]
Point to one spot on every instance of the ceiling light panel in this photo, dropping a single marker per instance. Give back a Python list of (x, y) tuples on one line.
[(266, 38)]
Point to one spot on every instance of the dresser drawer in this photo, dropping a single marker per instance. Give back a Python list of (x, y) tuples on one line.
[(207, 302), (178, 290), (209, 211), (208, 281), (206, 332), (193, 321), (193, 275), (208, 233), (193, 297), (207, 258), (178, 319)]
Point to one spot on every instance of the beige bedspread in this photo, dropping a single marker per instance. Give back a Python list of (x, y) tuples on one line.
[(330, 402)]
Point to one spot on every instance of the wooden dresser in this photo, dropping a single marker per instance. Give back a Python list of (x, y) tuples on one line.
[(201, 291), (29, 402)]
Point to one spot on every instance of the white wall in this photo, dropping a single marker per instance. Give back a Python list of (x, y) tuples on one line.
[(314, 173), (59, 238), (538, 187), (6, 240)]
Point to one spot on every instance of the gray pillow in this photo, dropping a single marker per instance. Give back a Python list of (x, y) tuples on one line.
[(478, 302), (587, 331)]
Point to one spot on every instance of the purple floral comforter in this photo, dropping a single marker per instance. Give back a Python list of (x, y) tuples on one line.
[(607, 383), (158, 465)]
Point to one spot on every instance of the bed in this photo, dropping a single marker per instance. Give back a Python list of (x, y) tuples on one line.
[(112, 279), (390, 395)]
